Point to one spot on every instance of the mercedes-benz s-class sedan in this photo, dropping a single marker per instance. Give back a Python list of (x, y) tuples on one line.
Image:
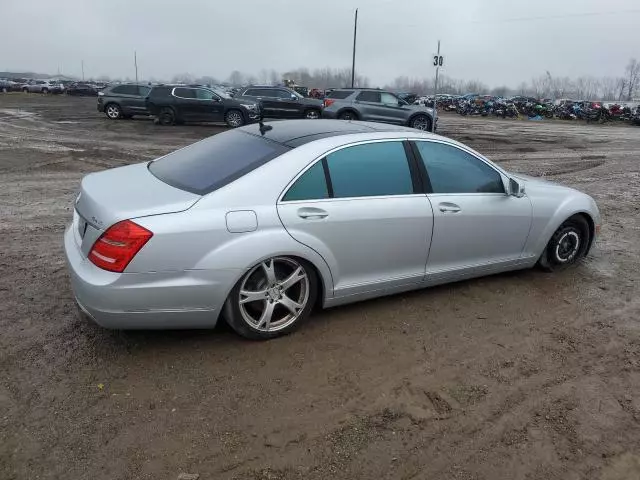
[(260, 224)]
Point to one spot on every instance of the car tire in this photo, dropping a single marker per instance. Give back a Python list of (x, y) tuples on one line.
[(25, 90), (4, 90), (312, 114), (567, 246), (44, 91), (234, 118), (113, 111), (167, 117), (421, 122), (285, 291), (348, 115)]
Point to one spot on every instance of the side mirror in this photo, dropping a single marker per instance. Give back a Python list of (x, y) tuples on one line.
[(516, 189), (293, 97)]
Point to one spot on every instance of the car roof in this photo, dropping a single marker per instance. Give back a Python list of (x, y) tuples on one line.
[(294, 133)]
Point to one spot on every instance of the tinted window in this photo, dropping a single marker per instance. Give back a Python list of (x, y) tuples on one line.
[(452, 170), (144, 91), (340, 94), (202, 94), (212, 163), (369, 170), (284, 94), (184, 93), (125, 90), (369, 96), (252, 92), (310, 186)]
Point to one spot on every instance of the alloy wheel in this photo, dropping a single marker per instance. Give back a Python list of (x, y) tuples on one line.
[(113, 111), (567, 246), (312, 114), (421, 123), (234, 119), (274, 294)]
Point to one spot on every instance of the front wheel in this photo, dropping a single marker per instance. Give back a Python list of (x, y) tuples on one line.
[(112, 111), (234, 119), (567, 246), (272, 299), (421, 122), (312, 114), (167, 117)]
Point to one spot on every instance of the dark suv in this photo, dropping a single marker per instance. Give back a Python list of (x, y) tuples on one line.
[(281, 102), (376, 106), (172, 104), (123, 101)]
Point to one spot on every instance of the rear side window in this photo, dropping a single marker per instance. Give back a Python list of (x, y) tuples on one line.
[(340, 94), (214, 162), (369, 96), (184, 92), (370, 170), (452, 170), (125, 90), (143, 91), (312, 185)]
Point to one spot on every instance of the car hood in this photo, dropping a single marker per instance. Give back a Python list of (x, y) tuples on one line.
[(245, 100), (529, 180)]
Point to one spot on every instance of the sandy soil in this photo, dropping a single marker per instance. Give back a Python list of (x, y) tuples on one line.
[(520, 376)]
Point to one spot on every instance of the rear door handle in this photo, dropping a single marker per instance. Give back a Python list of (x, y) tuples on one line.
[(447, 207), (311, 213)]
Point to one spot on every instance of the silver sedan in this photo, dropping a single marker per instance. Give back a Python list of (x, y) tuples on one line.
[(261, 224)]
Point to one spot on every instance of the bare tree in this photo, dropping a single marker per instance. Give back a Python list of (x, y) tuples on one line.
[(183, 78), (236, 78), (633, 77), (274, 77)]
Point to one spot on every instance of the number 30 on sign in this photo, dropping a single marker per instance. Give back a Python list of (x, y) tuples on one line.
[(438, 61)]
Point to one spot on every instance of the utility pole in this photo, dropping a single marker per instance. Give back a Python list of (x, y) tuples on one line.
[(82, 66), (353, 61), (437, 61), (135, 63)]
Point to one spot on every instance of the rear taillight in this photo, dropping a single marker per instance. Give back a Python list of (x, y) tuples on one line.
[(328, 102), (118, 245)]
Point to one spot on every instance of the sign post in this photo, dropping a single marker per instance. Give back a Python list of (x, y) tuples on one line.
[(438, 61)]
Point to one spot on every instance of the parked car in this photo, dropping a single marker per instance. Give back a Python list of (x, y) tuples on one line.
[(123, 101), (82, 90), (42, 86), (282, 102), (376, 106), (260, 224), (172, 104), (7, 85)]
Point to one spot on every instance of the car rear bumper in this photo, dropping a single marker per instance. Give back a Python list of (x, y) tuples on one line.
[(154, 300)]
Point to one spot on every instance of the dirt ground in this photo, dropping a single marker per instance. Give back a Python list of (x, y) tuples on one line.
[(519, 376)]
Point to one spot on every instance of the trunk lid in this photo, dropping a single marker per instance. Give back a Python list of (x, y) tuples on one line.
[(123, 193)]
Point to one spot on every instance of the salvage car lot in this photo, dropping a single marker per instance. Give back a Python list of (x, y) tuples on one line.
[(523, 375)]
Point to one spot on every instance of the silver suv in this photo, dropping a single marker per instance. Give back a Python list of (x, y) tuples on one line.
[(375, 105), (42, 86)]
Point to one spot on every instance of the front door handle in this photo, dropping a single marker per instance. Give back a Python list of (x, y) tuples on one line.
[(447, 207), (311, 213)]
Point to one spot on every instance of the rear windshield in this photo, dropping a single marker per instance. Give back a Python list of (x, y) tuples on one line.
[(215, 162), (340, 94)]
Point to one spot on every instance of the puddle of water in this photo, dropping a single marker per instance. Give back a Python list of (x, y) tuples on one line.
[(66, 122), (17, 113)]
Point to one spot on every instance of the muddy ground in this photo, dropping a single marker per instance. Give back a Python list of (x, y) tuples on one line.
[(520, 376)]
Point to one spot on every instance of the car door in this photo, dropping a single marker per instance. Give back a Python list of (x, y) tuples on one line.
[(392, 109), (478, 228), (138, 99), (289, 104), (210, 105), (368, 103), (186, 104), (361, 208)]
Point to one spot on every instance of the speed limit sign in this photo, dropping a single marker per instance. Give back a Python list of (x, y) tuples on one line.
[(438, 60)]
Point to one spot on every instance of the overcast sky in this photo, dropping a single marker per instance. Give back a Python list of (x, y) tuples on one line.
[(488, 40)]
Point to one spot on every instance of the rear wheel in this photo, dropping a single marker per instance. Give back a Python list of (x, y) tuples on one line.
[(567, 246), (234, 118), (272, 299), (312, 114), (112, 111), (348, 115), (167, 116), (421, 122)]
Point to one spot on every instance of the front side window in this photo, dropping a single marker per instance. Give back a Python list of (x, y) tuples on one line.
[(388, 99), (369, 96), (371, 169), (126, 90), (202, 94), (452, 170), (311, 185)]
